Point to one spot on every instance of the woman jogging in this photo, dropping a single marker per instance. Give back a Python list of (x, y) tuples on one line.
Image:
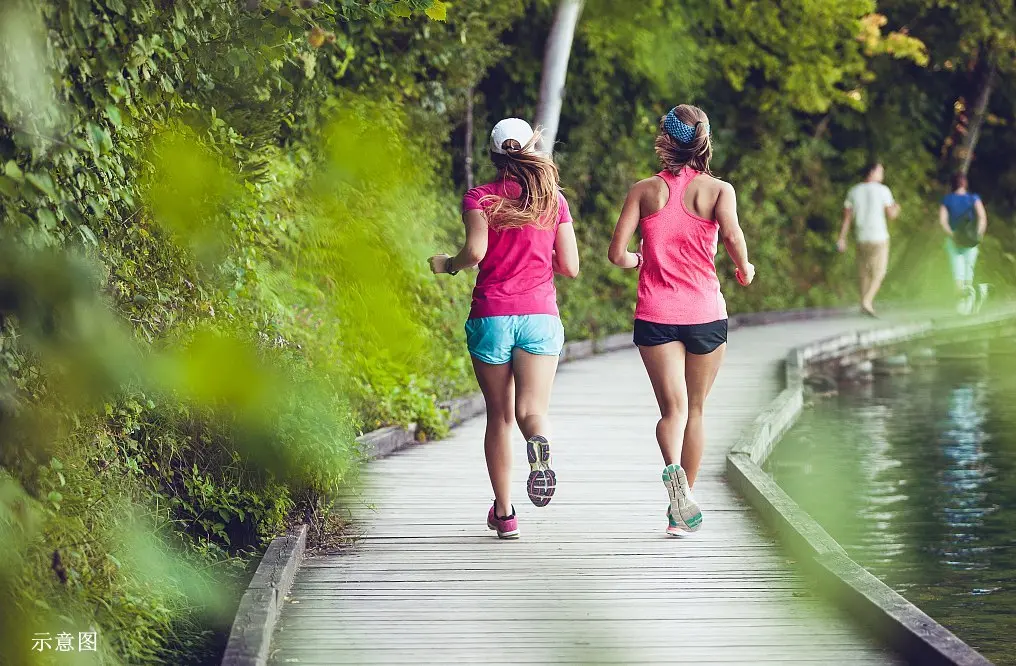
[(519, 232), (964, 221), (681, 318)]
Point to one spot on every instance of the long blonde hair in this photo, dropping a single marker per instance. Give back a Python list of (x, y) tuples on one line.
[(538, 204)]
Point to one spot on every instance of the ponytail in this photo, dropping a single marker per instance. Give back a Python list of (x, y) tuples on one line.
[(538, 204)]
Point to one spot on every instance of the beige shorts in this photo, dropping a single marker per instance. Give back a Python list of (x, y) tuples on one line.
[(872, 260)]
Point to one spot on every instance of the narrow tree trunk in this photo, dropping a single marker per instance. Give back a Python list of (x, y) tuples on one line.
[(968, 143), (468, 147), (822, 127), (555, 70)]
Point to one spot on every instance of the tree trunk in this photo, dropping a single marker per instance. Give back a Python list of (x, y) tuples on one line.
[(968, 143), (555, 70), (822, 127), (468, 141)]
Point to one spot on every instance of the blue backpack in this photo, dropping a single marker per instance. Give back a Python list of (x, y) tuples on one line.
[(964, 228)]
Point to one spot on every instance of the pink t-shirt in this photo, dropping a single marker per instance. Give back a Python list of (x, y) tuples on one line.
[(517, 273), (677, 281)]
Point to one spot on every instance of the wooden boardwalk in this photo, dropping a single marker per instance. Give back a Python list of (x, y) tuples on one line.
[(593, 578)]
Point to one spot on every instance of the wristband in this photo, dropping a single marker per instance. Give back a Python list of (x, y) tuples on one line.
[(448, 267), (638, 257)]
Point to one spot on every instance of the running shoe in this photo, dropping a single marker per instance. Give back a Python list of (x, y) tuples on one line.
[(684, 510), (673, 527), (542, 480), (967, 301), (506, 528), (982, 296)]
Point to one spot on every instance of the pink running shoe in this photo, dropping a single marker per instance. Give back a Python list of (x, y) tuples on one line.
[(506, 528)]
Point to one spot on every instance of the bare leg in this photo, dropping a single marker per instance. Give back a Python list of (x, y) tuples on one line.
[(534, 379), (498, 388), (534, 376), (665, 365), (700, 373)]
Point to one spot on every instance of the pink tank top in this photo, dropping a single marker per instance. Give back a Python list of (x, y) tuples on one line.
[(677, 281)]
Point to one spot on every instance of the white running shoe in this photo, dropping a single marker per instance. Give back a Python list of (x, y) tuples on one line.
[(684, 511), (967, 301)]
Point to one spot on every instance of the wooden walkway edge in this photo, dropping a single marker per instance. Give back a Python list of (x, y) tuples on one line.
[(593, 578), (887, 614)]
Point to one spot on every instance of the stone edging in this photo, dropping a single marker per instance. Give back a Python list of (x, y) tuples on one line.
[(261, 604), (250, 637), (890, 616)]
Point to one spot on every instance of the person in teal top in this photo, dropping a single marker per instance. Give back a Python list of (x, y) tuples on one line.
[(964, 220)]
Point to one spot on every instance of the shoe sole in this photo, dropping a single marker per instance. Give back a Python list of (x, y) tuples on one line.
[(542, 479), (514, 534), (676, 531), (686, 511)]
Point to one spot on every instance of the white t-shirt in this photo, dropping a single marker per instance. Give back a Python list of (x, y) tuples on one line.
[(869, 201)]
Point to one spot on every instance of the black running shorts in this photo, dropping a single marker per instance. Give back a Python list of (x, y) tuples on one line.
[(697, 338)]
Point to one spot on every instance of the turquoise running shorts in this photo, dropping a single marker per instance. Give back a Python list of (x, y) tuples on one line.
[(493, 339)]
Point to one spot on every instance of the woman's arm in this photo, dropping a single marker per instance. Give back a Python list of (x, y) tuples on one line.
[(627, 222), (472, 252), (943, 220), (848, 216), (730, 232), (982, 218), (566, 251)]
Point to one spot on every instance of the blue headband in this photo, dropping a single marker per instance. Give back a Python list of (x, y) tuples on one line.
[(679, 129)]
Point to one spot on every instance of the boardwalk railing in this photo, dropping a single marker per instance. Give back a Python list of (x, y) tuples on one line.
[(889, 615)]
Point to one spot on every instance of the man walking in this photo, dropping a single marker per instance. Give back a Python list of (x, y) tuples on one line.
[(868, 205)]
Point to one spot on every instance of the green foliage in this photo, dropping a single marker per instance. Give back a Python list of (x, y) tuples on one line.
[(800, 97), (214, 219), (212, 278)]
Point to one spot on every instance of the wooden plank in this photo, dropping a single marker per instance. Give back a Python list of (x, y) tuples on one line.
[(250, 636), (593, 578)]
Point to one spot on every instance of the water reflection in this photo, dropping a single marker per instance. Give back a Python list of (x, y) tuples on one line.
[(884, 488), (967, 471), (916, 477)]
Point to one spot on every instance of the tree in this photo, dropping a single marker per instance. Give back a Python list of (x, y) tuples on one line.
[(467, 142), (978, 41), (964, 153), (555, 70)]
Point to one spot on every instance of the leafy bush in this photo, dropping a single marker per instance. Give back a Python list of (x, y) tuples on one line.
[(212, 279)]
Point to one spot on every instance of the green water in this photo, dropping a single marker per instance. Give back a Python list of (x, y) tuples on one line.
[(916, 477)]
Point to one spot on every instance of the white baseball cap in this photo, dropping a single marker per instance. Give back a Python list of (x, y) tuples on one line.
[(510, 128)]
